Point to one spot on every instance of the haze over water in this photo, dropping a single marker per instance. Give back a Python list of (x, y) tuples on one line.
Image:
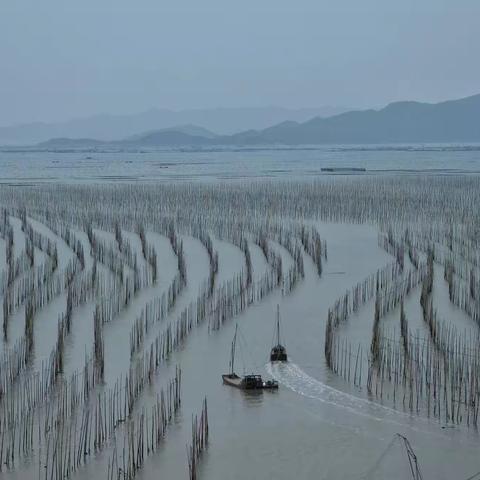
[(149, 165)]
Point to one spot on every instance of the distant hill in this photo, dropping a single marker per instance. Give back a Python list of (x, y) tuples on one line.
[(182, 131), (401, 122), (176, 136), (222, 121), (455, 121), (166, 138), (70, 143)]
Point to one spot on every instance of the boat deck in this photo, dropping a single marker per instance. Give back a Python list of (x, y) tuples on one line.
[(249, 382)]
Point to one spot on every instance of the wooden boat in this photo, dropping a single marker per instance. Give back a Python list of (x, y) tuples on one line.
[(278, 352), (247, 382)]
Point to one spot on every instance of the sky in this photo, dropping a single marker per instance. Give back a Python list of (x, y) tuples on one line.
[(63, 59)]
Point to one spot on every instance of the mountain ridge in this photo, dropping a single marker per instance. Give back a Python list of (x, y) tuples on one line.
[(399, 122), (107, 127)]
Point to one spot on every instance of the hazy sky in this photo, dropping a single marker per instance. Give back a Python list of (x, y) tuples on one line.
[(62, 59)]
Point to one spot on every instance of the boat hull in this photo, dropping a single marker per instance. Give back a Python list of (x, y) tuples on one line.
[(232, 380), (278, 354), (280, 357), (249, 382)]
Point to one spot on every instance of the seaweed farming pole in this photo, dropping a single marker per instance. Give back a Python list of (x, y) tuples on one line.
[(213, 260), (314, 246), (199, 440), (351, 302), (248, 261), (144, 433), (177, 247), (411, 457), (98, 346)]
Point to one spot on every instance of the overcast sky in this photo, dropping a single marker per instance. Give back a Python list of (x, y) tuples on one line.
[(62, 59)]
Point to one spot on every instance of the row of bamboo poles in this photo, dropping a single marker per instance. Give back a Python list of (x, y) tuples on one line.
[(144, 432), (199, 440), (436, 375), (18, 422), (42, 401)]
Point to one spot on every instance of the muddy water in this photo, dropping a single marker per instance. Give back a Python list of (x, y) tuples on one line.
[(315, 426)]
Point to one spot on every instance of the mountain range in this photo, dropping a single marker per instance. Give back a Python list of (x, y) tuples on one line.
[(222, 121), (454, 121), (400, 122)]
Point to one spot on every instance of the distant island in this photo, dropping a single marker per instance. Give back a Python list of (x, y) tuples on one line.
[(455, 121)]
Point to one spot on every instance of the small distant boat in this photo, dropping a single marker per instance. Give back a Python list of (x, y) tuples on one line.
[(247, 382), (278, 352)]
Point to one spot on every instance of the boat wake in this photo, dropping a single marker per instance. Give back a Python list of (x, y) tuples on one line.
[(294, 378)]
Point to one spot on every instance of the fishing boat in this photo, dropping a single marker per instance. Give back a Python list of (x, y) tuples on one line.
[(278, 352), (247, 382)]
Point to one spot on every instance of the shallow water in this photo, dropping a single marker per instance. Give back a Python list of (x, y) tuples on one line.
[(316, 425), (33, 167)]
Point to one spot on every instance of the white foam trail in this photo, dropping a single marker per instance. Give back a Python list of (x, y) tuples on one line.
[(294, 378)]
